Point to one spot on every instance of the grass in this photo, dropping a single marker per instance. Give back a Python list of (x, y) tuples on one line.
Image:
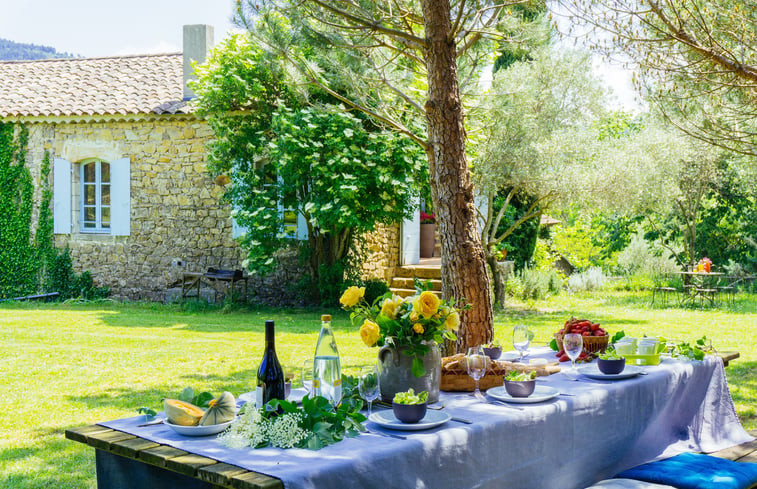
[(74, 364)]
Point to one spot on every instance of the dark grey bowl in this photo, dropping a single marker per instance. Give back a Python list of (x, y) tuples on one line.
[(493, 353), (611, 367), (520, 388), (409, 413)]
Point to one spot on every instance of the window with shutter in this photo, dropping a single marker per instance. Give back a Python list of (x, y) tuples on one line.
[(295, 226), (103, 203)]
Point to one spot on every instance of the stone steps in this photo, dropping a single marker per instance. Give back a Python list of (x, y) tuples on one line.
[(402, 281)]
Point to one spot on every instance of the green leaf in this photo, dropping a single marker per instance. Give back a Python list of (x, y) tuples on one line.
[(418, 369), (202, 399), (617, 336), (553, 344), (187, 395)]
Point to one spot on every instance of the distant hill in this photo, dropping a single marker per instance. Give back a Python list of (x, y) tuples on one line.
[(12, 51)]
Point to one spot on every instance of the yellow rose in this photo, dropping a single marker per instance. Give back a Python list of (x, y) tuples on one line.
[(369, 332), (414, 316), (418, 328), (390, 306), (453, 321), (352, 296), (427, 304)]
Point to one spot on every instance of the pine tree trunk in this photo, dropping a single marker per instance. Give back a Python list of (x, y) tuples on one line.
[(463, 261)]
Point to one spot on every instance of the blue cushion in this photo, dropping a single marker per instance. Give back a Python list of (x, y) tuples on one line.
[(696, 471)]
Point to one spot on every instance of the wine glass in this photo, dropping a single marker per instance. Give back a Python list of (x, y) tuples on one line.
[(476, 363), (521, 339), (573, 344), (307, 376), (368, 385)]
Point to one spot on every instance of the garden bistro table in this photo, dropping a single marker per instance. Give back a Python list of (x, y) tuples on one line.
[(592, 431), (702, 285)]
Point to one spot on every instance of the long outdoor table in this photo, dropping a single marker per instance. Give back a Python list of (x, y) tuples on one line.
[(593, 430)]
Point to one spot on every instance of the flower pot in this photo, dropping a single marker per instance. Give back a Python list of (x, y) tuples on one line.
[(395, 372), (409, 413), (520, 388), (611, 367), (428, 240)]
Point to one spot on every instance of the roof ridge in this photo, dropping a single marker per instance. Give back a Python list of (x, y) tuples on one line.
[(52, 60)]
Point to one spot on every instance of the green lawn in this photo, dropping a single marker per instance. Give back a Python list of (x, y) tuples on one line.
[(69, 365)]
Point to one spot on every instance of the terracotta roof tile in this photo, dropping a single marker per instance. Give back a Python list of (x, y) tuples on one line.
[(124, 85)]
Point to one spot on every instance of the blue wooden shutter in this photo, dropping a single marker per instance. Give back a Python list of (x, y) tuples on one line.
[(120, 197), (61, 196)]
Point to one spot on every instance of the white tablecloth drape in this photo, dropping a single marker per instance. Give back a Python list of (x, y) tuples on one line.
[(569, 442)]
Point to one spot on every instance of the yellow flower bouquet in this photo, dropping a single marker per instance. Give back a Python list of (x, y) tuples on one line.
[(409, 322)]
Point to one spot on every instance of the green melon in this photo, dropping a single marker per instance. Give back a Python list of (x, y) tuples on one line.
[(182, 413), (221, 410)]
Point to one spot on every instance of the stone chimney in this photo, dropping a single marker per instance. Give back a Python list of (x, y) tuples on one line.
[(198, 39)]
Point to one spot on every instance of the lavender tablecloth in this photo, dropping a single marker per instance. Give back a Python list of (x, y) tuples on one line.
[(569, 442)]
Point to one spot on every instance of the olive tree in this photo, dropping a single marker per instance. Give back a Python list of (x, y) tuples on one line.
[(535, 137)]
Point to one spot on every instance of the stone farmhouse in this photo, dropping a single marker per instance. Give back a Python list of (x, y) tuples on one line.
[(133, 200)]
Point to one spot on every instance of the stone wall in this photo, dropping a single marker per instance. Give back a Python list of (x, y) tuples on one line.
[(178, 222), (383, 251)]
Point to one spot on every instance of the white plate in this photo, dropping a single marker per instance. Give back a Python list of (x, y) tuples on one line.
[(592, 371), (198, 430), (509, 356), (295, 395), (541, 393), (432, 419)]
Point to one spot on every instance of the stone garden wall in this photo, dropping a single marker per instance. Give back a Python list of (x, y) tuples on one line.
[(178, 223)]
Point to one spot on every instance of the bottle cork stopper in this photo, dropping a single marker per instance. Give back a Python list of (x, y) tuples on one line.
[(326, 317)]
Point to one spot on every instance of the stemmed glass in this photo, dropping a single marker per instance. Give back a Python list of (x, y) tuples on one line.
[(521, 339), (476, 362), (307, 376), (573, 344), (368, 385)]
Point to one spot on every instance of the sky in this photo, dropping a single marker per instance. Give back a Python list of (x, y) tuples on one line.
[(94, 28)]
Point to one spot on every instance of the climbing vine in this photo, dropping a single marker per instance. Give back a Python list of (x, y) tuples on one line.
[(32, 265), (18, 257)]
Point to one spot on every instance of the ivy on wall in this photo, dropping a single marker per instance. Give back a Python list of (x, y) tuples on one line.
[(18, 256), (30, 266)]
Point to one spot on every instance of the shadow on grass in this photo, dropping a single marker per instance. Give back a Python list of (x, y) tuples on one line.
[(742, 303), (557, 317), (130, 399), (239, 318), (52, 462)]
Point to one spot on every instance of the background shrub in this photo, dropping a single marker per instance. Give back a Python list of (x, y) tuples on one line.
[(591, 279), (374, 288)]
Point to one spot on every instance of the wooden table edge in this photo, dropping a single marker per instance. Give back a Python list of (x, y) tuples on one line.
[(170, 458)]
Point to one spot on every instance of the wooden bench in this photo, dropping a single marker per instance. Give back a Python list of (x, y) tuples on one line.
[(728, 356), (122, 453)]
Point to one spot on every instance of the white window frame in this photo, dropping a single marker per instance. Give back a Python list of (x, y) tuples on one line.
[(68, 195), (98, 228)]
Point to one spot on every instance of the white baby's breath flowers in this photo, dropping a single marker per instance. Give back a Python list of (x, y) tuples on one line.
[(252, 430), (248, 431), (285, 431)]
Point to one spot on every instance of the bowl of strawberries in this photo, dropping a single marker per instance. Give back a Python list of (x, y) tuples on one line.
[(595, 338)]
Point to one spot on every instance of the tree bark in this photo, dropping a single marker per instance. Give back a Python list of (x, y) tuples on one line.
[(463, 260)]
